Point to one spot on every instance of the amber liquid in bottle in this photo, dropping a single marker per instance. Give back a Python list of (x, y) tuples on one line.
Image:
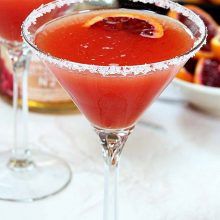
[(44, 92)]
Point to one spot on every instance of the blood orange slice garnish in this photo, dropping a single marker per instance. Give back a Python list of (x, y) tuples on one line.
[(139, 24), (208, 72)]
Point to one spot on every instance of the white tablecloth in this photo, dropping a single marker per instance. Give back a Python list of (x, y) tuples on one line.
[(170, 166)]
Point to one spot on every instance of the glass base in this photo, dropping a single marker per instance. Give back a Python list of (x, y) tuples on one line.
[(44, 176)]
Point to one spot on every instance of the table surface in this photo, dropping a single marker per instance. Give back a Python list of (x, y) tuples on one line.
[(170, 166)]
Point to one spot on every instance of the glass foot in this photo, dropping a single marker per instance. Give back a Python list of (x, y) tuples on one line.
[(44, 176)]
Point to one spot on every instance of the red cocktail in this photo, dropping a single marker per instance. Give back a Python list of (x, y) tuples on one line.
[(113, 101), (113, 63), (12, 14)]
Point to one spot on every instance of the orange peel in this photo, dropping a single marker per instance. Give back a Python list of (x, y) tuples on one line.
[(217, 2), (215, 45), (197, 77), (173, 14), (204, 54), (183, 74)]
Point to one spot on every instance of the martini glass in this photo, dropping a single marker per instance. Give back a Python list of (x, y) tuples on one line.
[(24, 172), (112, 97)]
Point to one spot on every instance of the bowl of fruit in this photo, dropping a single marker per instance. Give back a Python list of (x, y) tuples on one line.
[(199, 79)]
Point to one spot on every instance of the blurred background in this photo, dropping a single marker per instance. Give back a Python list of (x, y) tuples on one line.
[(171, 164)]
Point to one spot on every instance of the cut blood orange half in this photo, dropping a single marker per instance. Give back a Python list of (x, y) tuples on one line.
[(217, 2), (215, 45), (208, 72), (210, 23), (194, 1), (134, 23), (184, 75), (204, 54)]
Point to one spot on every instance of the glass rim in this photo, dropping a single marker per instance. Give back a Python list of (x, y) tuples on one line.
[(114, 69)]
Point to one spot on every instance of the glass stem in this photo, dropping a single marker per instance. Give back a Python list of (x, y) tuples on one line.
[(111, 193), (20, 154), (112, 144)]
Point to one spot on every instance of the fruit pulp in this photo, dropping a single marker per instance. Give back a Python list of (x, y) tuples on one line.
[(112, 101), (12, 14), (207, 72)]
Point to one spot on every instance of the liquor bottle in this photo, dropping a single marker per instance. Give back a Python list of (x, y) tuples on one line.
[(44, 92)]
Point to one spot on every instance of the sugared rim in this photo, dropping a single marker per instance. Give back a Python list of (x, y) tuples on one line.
[(109, 70)]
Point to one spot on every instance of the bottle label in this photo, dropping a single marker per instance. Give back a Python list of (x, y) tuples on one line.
[(42, 85)]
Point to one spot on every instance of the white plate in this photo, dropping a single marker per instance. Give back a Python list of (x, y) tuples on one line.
[(204, 97)]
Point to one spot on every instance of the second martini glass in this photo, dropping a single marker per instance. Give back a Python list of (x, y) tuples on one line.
[(112, 96), (25, 175)]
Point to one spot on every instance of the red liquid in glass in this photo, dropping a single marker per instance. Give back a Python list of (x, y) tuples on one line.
[(112, 101), (12, 14)]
